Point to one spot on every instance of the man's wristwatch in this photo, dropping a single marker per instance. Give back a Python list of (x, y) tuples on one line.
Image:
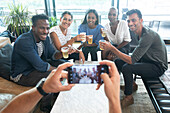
[(39, 87)]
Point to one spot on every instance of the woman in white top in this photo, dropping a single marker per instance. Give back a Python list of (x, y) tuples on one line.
[(61, 36), (117, 32)]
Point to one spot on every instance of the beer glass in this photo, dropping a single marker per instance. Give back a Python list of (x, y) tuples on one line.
[(84, 36), (101, 46), (103, 32), (90, 40), (64, 51)]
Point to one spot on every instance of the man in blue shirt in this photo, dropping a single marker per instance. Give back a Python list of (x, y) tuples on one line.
[(32, 54), (33, 57)]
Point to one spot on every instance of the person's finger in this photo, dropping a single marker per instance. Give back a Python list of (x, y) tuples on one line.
[(87, 37), (52, 73), (83, 59), (108, 63), (61, 67), (67, 87), (98, 86), (70, 50), (64, 74), (112, 67), (105, 77)]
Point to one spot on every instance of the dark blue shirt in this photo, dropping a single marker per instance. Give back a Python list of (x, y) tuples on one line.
[(25, 58)]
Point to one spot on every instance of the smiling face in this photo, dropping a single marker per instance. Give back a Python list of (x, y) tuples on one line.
[(41, 30), (135, 23), (66, 21), (91, 20), (112, 15)]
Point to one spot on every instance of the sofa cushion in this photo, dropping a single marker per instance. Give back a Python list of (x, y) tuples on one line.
[(5, 61)]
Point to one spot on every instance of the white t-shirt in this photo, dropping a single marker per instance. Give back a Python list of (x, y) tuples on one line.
[(63, 39), (122, 33)]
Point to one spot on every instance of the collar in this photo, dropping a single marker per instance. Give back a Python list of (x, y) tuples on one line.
[(144, 31)]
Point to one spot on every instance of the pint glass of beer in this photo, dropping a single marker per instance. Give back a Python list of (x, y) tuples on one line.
[(90, 40), (100, 43), (64, 51), (84, 36), (103, 32)]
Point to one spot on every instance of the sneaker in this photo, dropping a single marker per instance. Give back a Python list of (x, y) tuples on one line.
[(125, 102), (135, 87)]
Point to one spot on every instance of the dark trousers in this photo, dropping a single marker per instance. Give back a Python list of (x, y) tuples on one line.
[(92, 51), (35, 76), (148, 70)]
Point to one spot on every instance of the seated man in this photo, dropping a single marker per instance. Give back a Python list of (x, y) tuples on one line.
[(149, 58), (33, 56)]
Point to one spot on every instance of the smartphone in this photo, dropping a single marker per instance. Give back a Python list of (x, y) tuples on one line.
[(86, 73)]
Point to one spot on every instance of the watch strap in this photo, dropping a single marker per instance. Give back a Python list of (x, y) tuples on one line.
[(39, 87)]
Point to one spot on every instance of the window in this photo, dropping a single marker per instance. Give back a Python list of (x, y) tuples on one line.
[(78, 9), (155, 13)]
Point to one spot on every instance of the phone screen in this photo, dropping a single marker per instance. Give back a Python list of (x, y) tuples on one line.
[(86, 74)]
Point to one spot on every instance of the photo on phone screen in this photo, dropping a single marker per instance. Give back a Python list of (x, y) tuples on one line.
[(86, 74)]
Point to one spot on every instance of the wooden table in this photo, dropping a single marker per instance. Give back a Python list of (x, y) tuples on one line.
[(82, 98)]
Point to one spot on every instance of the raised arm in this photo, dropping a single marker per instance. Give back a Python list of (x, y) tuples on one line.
[(118, 53), (57, 43)]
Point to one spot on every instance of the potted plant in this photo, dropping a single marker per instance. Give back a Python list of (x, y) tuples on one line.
[(52, 21), (18, 20)]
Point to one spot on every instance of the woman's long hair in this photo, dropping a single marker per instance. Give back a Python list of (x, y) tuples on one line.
[(91, 11)]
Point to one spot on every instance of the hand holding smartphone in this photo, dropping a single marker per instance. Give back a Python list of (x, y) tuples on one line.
[(86, 73)]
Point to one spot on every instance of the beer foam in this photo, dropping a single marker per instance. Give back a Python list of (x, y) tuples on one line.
[(64, 49)]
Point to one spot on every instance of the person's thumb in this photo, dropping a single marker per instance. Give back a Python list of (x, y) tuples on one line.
[(105, 77)]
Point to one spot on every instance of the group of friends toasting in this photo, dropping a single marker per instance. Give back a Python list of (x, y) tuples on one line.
[(38, 52)]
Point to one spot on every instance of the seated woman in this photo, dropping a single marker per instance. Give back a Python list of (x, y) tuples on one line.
[(91, 26), (117, 32), (61, 36)]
